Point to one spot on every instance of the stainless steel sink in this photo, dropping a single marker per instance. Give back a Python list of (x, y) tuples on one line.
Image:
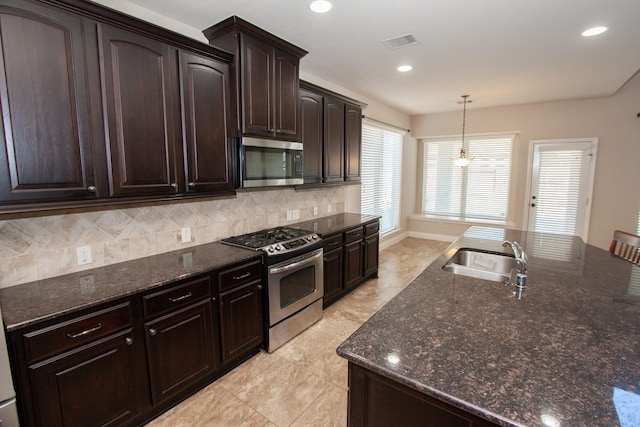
[(480, 264)]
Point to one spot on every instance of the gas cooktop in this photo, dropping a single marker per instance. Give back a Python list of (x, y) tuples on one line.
[(274, 241)]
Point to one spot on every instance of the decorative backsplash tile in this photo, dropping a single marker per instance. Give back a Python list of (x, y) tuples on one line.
[(37, 247)]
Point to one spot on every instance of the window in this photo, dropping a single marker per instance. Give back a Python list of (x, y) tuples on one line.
[(479, 191), (381, 173)]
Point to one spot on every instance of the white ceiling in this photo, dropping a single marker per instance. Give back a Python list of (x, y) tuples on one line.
[(501, 52)]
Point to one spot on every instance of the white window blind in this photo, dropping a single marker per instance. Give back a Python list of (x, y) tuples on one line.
[(559, 185), (381, 175), (477, 191)]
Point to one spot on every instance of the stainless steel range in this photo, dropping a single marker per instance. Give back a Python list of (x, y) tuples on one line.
[(294, 279)]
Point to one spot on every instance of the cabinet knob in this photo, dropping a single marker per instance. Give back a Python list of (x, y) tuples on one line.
[(92, 188), (260, 287), (192, 184), (128, 340), (152, 332), (213, 299), (174, 185)]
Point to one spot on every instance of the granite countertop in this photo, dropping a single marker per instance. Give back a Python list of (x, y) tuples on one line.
[(333, 224), (567, 354), (23, 305)]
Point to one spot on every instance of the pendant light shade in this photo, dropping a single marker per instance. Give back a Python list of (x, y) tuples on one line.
[(463, 160)]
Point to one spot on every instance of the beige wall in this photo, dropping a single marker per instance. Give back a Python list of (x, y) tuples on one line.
[(616, 197)]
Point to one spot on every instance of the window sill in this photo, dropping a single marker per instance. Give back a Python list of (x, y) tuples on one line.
[(458, 220)]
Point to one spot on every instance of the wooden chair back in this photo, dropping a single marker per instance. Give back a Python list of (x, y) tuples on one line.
[(626, 245)]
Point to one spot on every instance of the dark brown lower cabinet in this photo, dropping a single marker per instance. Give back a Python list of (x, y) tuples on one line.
[(377, 401), (332, 275), (350, 258), (92, 385), (179, 349), (241, 325), (122, 363)]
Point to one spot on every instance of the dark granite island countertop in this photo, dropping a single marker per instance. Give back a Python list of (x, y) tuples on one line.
[(567, 354), (46, 299)]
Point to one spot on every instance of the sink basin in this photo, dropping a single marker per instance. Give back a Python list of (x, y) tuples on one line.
[(481, 264)]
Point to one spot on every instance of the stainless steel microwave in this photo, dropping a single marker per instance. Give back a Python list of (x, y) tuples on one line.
[(268, 163)]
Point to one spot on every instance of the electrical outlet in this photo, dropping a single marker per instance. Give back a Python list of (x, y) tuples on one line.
[(315, 210), (84, 255), (296, 214), (186, 234), (289, 215), (329, 208), (187, 259), (87, 284)]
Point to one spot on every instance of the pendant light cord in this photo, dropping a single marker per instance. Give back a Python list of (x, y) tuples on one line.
[(464, 117)]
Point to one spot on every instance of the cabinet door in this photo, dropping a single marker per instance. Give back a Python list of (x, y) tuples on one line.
[(45, 126), (92, 385), (241, 320), (371, 246), (333, 140), (287, 120), (206, 90), (179, 349), (352, 142), (137, 75), (311, 130), (332, 275), (353, 264), (257, 87)]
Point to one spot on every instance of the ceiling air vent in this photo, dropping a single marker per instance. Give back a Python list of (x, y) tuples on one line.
[(400, 41)]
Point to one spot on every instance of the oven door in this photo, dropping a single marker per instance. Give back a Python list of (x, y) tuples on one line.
[(294, 284)]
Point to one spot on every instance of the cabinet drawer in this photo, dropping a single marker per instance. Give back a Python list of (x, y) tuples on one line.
[(176, 297), (239, 275), (63, 336), (371, 228), (353, 235), (331, 243)]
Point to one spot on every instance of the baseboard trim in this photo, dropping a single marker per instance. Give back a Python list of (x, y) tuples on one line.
[(392, 239)]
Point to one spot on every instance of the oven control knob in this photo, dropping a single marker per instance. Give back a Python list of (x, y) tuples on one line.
[(270, 249), (314, 236), (278, 247)]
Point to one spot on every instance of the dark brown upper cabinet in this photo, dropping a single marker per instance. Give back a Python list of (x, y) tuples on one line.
[(47, 138), (98, 106), (333, 140), (140, 109), (267, 72), (352, 142), (331, 135), (311, 113), (208, 123)]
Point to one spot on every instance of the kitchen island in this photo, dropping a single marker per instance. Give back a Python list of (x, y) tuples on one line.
[(453, 350)]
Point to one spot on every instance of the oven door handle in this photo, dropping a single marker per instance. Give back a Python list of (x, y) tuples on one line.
[(295, 265)]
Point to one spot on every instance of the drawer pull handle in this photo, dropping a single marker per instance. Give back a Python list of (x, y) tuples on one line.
[(332, 243), (85, 332), (244, 276), (128, 340), (185, 296), (356, 235), (152, 332)]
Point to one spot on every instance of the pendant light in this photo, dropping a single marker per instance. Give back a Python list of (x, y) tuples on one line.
[(463, 160)]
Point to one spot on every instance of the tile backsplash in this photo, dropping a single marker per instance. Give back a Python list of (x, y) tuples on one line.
[(37, 247)]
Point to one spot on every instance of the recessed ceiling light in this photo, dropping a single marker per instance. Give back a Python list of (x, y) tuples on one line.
[(320, 6), (594, 31), (404, 68)]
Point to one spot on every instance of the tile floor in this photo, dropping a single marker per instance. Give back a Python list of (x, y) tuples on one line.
[(304, 382)]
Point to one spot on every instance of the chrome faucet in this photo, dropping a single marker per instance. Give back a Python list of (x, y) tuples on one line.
[(520, 281)]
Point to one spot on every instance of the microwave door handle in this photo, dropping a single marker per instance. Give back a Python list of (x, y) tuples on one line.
[(295, 265)]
